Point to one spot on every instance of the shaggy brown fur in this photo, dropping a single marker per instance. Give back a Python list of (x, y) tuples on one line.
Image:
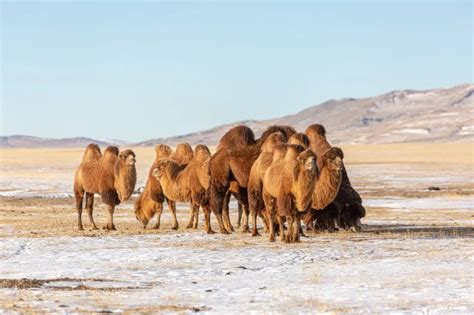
[(350, 216), (300, 139), (319, 144), (287, 189), (188, 184), (329, 181), (233, 164), (322, 220), (257, 173), (150, 201), (286, 151), (243, 136), (111, 175), (225, 166), (183, 155), (287, 131), (237, 137)]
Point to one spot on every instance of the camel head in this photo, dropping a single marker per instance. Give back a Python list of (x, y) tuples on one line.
[(351, 215), (140, 212), (307, 159), (128, 157), (333, 158), (160, 168), (125, 174)]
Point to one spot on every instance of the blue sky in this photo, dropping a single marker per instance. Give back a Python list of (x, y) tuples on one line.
[(136, 71)]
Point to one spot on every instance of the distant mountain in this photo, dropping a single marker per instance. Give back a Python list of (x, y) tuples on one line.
[(439, 115), (20, 141)]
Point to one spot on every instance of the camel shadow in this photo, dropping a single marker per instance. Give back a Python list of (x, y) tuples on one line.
[(417, 230)]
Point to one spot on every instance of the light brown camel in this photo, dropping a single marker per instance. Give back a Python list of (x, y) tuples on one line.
[(233, 165), (150, 202), (255, 183), (287, 189), (347, 197), (111, 175), (188, 184)]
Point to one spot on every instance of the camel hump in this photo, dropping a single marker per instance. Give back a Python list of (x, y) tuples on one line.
[(92, 153), (163, 151), (237, 136), (315, 129), (299, 138)]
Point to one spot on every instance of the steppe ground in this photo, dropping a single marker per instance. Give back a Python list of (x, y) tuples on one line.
[(415, 253)]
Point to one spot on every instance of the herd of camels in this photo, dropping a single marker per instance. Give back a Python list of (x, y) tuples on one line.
[(284, 177)]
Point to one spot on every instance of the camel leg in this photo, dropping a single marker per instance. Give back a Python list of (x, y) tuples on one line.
[(281, 228), (159, 210), (271, 218), (191, 217), (196, 216), (254, 224), (289, 233), (222, 228), (245, 224), (239, 218), (207, 220), (172, 209), (265, 223), (79, 195), (90, 209), (110, 222), (296, 230), (225, 213)]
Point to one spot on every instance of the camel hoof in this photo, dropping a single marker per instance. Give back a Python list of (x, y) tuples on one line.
[(80, 228), (272, 239), (195, 226), (95, 228), (189, 226), (211, 232), (255, 233)]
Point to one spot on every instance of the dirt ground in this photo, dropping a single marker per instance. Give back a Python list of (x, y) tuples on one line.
[(414, 254)]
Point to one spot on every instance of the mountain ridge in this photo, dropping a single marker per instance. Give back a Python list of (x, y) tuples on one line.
[(435, 115)]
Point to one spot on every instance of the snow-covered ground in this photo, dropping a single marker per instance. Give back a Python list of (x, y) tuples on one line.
[(235, 274)]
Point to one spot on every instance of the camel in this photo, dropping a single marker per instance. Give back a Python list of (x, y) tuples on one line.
[(188, 184), (257, 173), (243, 136), (347, 195), (112, 175), (150, 202), (233, 165), (287, 189)]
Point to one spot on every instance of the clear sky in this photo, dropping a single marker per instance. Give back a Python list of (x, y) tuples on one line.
[(140, 70)]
